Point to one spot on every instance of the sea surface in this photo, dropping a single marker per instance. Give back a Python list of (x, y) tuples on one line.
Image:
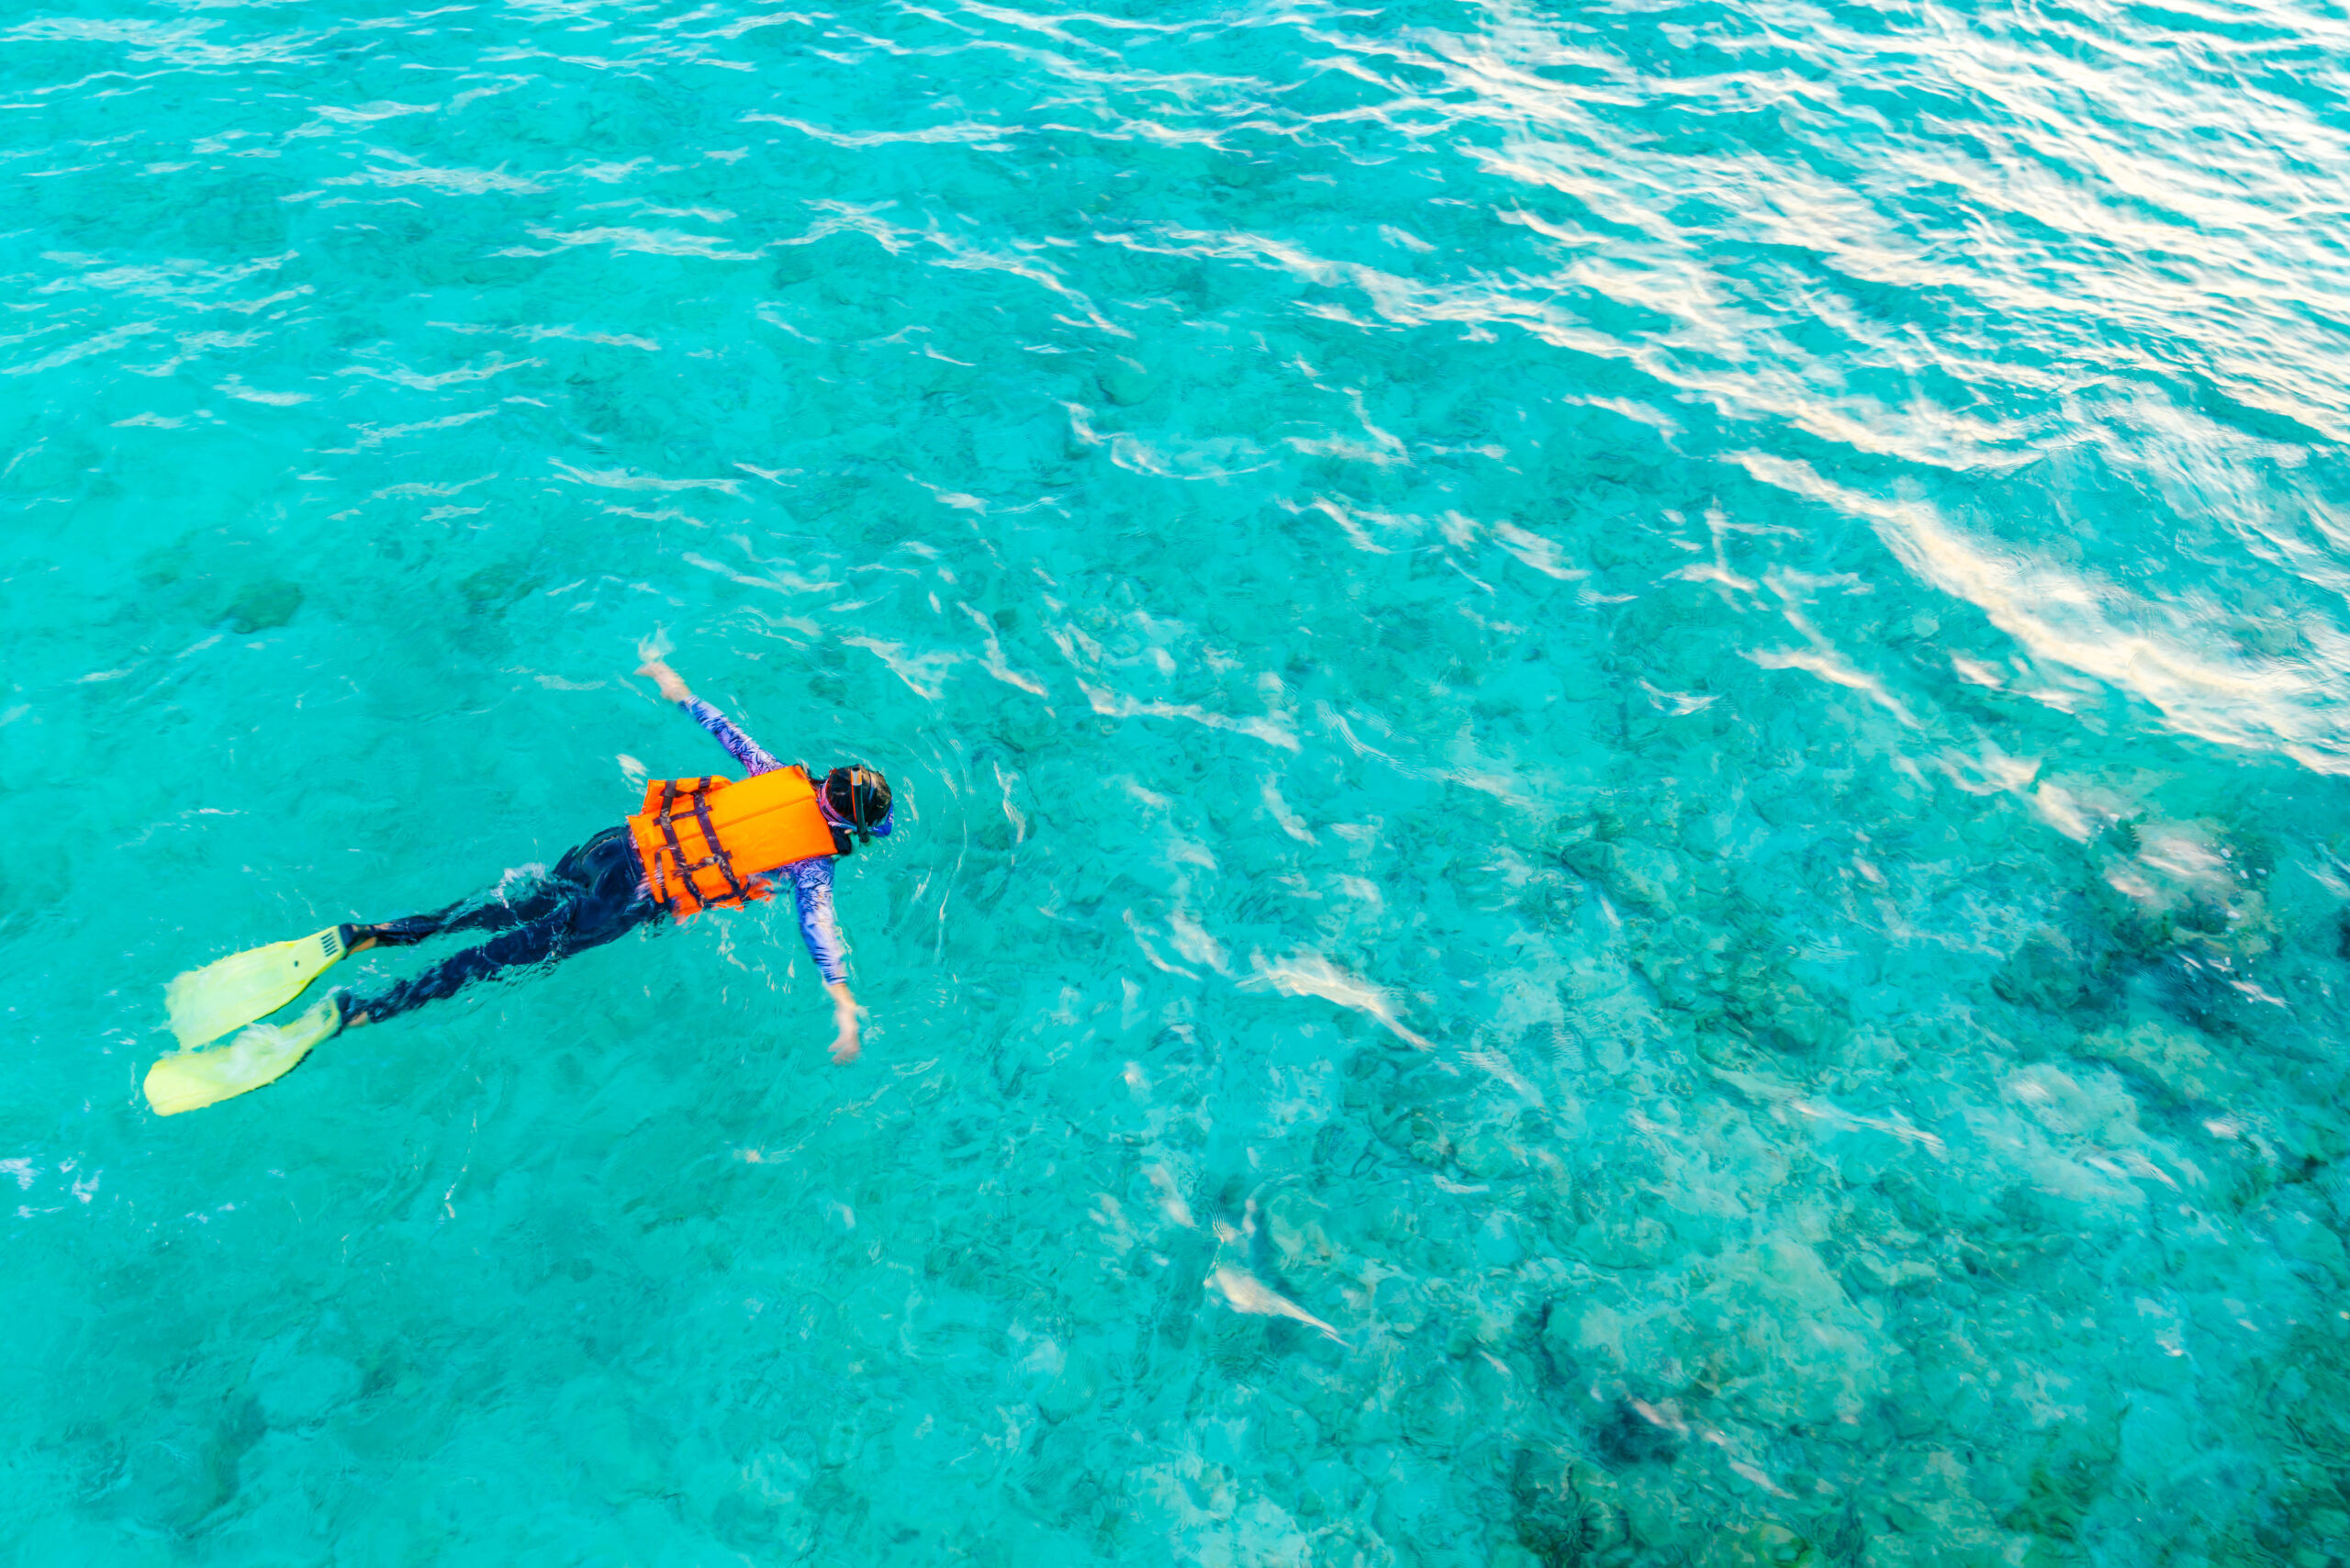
[(1619, 733)]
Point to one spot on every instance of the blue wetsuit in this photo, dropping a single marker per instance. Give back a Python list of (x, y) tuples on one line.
[(596, 894)]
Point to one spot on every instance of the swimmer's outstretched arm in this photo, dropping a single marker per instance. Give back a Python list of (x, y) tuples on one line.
[(847, 1014), (740, 747), (672, 684)]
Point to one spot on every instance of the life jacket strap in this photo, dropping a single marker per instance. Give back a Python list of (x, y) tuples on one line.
[(676, 856), (717, 856), (698, 793)]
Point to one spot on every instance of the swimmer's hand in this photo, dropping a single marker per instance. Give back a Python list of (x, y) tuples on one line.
[(846, 1016), (672, 686)]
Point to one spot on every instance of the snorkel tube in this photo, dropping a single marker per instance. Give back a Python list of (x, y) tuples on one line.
[(857, 798)]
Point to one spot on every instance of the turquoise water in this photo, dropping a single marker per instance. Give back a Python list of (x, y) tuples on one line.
[(1618, 736)]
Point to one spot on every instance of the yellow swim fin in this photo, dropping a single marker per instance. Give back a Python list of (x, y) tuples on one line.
[(207, 1003), (188, 1080)]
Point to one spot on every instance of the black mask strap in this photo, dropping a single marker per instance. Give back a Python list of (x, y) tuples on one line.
[(858, 801)]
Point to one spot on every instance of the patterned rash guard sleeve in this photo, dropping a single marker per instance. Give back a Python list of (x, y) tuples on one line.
[(811, 880), (740, 747)]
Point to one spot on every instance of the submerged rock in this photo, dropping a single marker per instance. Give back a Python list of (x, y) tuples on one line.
[(1633, 1434), (1924, 1515), (1775, 1331), (1073, 1387), (1568, 1511), (263, 606), (1766, 1545), (1638, 873), (2175, 1058), (2054, 971)]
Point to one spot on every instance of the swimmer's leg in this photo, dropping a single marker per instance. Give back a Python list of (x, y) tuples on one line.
[(477, 913), (535, 943), (542, 899), (582, 918)]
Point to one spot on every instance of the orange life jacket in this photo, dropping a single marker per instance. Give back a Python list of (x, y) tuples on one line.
[(706, 841)]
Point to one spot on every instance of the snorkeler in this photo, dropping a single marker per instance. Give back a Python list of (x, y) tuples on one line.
[(698, 843)]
